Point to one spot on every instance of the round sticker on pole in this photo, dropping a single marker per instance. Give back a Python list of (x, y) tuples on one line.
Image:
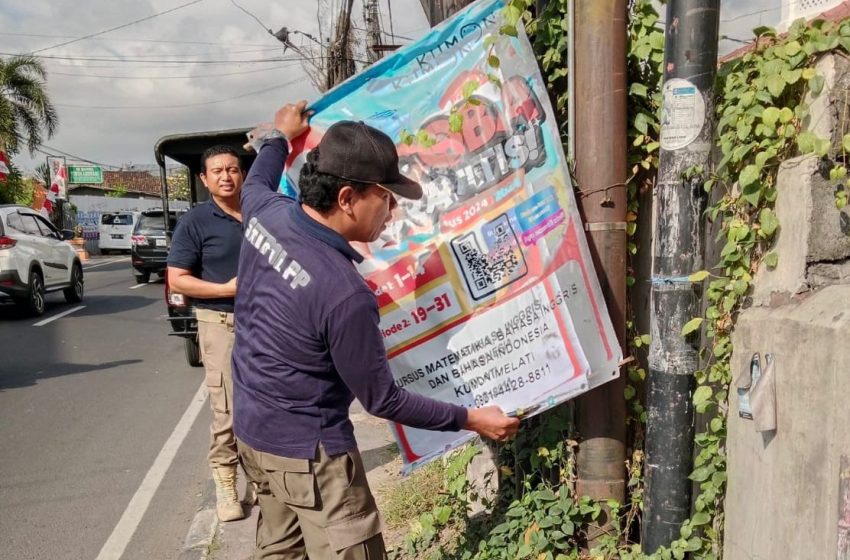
[(682, 113)]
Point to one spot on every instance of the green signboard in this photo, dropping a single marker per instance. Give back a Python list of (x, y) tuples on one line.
[(85, 174)]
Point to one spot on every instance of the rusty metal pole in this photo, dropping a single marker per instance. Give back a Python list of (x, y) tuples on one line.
[(601, 166)]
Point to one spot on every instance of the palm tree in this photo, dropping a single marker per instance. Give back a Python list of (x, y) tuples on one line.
[(25, 109)]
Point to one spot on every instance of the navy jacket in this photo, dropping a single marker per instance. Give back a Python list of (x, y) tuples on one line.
[(307, 335)]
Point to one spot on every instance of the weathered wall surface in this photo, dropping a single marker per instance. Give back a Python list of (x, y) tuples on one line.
[(783, 497)]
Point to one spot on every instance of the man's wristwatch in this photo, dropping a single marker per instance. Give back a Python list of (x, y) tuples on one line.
[(273, 133), (262, 134)]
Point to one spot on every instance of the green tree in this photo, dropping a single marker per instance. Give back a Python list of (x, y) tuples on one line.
[(178, 185), (118, 191), (25, 109), (42, 174), (16, 189)]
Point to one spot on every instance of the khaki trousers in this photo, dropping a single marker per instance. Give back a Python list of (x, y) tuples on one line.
[(321, 508), (216, 334)]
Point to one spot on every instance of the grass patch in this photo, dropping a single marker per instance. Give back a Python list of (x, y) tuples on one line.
[(406, 500)]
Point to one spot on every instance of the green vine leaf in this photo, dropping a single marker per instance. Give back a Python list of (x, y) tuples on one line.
[(771, 260), (816, 85), (698, 276), (775, 85), (692, 325), (748, 176), (768, 221), (770, 116)]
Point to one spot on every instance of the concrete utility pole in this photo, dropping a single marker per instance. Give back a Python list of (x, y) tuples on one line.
[(601, 166), (374, 40), (687, 128), (340, 63), (438, 10)]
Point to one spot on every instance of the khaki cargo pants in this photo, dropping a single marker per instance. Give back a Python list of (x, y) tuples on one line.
[(321, 508), (216, 334)]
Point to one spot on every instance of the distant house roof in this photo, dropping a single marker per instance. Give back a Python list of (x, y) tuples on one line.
[(133, 181), (837, 13)]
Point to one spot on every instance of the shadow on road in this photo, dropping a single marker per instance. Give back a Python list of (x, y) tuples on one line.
[(12, 377), (106, 305)]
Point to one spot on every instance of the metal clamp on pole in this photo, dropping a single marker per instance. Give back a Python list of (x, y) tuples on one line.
[(605, 226)]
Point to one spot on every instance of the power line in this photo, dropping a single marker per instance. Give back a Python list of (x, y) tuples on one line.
[(266, 29), (184, 105), (190, 76), (758, 12), (129, 40), (66, 154), (144, 57), (117, 27), (147, 61)]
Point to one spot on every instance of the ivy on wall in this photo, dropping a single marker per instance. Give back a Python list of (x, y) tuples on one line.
[(761, 117)]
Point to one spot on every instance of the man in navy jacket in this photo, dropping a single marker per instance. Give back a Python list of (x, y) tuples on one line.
[(308, 342)]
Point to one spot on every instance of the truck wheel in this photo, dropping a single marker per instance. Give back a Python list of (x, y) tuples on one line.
[(142, 277), (74, 292), (193, 352)]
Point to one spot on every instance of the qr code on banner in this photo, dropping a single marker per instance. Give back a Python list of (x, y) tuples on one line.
[(495, 265)]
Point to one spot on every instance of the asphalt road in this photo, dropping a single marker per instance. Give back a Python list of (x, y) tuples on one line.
[(89, 406)]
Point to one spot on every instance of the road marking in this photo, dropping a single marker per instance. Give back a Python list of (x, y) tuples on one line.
[(58, 316), (132, 516), (119, 259), (137, 286)]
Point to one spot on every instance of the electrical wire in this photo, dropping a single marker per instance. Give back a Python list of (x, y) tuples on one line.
[(175, 56), (58, 153), (759, 12), (91, 35), (190, 76), (266, 29), (129, 40), (183, 105), (147, 61)]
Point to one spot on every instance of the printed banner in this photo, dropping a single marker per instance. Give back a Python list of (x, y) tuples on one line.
[(486, 289), (58, 181), (4, 166)]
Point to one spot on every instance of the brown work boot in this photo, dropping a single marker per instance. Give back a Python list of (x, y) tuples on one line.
[(227, 504)]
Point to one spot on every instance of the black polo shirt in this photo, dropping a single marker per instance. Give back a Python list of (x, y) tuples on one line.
[(207, 241)]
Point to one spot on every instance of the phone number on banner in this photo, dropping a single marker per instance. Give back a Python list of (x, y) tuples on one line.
[(513, 384)]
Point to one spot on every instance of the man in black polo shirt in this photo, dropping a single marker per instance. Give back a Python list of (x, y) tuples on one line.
[(202, 264), (308, 342)]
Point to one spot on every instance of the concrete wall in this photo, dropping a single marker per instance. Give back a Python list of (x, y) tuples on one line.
[(783, 499)]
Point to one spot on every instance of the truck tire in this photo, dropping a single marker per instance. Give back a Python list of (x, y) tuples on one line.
[(193, 351), (142, 277)]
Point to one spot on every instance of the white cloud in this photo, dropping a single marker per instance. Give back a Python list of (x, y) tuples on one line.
[(85, 90)]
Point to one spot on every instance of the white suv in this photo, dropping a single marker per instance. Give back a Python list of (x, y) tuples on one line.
[(35, 260)]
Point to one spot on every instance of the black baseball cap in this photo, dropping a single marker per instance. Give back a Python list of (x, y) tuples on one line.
[(358, 152)]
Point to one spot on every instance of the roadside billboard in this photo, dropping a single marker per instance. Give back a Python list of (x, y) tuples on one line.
[(486, 289)]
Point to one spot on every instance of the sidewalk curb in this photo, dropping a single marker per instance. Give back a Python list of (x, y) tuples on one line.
[(203, 528)]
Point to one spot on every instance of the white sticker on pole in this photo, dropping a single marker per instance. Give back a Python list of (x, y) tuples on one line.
[(682, 113)]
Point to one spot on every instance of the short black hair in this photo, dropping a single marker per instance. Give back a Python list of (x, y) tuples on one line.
[(218, 150), (320, 190)]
